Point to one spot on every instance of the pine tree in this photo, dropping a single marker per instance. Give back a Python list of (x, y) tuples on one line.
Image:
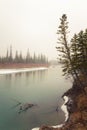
[(74, 52), (85, 51), (79, 52), (10, 56), (28, 58), (34, 58), (64, 50), (7, 56), (16, 60), (63, 46), (20, 57)]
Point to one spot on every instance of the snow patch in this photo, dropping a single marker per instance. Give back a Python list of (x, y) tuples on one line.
[(11, 71), (64, 108)]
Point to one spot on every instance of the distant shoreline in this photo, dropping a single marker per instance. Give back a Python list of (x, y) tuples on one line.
[(20, 65), (21, 70)]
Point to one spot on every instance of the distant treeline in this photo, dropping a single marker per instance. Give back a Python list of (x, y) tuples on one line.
[(19, 58)]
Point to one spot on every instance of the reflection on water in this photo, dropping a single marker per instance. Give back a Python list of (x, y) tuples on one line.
[(44, 88), (40, 75)]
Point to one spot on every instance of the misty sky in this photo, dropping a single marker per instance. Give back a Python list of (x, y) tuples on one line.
[(33, 23)]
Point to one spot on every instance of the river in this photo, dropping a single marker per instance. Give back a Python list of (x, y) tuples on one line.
[(43, 88)]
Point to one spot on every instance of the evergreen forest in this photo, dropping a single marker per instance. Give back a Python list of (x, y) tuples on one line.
[(19, 58)]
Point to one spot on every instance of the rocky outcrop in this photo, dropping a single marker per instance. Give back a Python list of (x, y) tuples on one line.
[(77, 107)]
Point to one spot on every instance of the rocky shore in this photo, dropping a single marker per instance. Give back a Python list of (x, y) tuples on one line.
[(77, 108)]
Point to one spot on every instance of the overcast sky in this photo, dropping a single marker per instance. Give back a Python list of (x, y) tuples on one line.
[(33, 23)]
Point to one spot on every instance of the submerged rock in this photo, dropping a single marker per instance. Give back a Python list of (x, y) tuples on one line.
[(25, 107)]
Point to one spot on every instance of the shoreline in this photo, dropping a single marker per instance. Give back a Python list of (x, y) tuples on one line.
[(20, 70), (64, 108), (21, 65), (77, 110)]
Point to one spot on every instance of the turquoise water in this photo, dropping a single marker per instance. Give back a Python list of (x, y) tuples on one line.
[(43, 88)]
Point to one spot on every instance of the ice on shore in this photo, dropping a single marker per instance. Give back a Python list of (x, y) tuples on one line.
[(10, 71), (64, 108), (35, 128)]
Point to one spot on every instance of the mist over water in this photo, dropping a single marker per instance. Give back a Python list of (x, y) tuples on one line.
[(43, 88)]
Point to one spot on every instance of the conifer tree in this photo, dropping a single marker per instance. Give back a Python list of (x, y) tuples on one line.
[(20, 57), (7, 56), (63, 47), (74, 52), (16, 57), (85, 44), (34, 58), (79, 52), (10, 56), (28, 57)]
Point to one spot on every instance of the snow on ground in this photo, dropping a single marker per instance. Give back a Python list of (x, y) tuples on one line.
[(10, 71)]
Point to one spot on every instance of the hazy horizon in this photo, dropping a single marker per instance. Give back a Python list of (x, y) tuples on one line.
[(33, 24)]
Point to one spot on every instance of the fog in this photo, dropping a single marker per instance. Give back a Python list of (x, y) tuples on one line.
[(33, 24)]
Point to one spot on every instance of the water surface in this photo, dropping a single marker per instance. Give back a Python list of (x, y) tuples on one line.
[(42, 87)]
